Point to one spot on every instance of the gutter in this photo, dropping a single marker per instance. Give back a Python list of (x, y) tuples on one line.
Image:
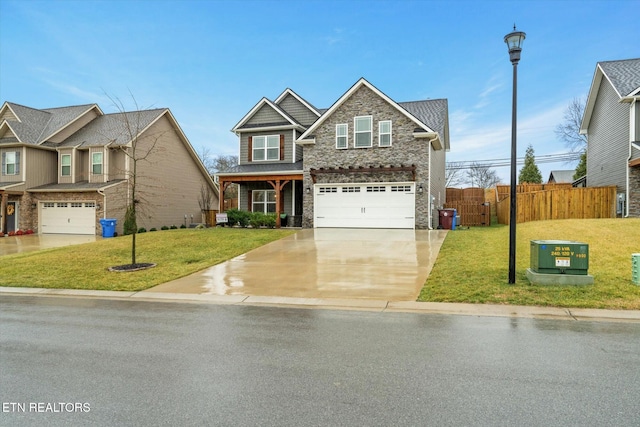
[(104, 203), (429, 203)]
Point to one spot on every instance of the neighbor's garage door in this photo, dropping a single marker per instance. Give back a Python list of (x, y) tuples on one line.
[(371, 205), (68, 217)]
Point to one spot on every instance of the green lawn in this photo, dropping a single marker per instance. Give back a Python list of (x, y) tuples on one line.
[(177, 253), (473, 265)]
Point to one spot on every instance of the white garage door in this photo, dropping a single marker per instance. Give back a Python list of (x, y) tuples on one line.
[(370, 205), (68, 217)]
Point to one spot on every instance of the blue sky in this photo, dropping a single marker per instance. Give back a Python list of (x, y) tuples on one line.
[(211, 61)]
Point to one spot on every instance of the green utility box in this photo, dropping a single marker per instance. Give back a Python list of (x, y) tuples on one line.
[(635, 268), (559, 257)]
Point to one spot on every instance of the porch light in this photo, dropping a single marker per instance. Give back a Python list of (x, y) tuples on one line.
[(420, 189), (308, 190)]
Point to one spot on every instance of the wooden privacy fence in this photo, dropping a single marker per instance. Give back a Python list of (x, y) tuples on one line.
[(560, 203), (470, 205), (471, 213), (503, 190)]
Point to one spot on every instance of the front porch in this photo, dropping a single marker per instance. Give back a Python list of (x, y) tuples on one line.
[(277, 193)]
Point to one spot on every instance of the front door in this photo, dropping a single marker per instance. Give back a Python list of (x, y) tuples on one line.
[(12, 216)]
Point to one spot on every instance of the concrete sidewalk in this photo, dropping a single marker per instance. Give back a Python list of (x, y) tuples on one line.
[(487, 310)]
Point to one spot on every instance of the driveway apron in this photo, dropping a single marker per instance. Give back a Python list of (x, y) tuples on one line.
[(375, 264)]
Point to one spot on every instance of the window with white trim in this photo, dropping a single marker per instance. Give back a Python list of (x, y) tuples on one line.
[(11, 163), (263, 201), (96, 163), (76, 204), (362, 131), (400, 188), (266, 148), (341, 135), (65, 164), (384, 133), (49, 205)]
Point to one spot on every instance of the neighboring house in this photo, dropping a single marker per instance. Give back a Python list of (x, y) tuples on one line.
[(367, 161), (612, 124), (65, 168), (561, 177)]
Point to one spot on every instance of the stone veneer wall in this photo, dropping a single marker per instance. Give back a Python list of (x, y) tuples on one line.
[(634, 192), (405, 150)]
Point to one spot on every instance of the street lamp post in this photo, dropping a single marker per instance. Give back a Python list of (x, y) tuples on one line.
[(514, 42)]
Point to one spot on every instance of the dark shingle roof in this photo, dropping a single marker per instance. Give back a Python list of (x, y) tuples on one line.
[(35, 125), (116, 128), (78, 186), (432, 112), (623, 74)]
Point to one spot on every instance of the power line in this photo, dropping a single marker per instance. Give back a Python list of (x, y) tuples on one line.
[(495, 163)]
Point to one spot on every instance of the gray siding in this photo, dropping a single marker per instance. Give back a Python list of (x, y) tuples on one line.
[(288, 146), (266, 114), (297, 110), (608, 140), (437, 183), (243, 195), (405, 150)]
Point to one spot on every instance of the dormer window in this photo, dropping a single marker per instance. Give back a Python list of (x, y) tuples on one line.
[(65, 165), (96, 163), (11, 163)]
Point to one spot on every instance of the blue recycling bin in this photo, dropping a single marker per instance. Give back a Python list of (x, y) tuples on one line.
[(454, 220), (108, 227)]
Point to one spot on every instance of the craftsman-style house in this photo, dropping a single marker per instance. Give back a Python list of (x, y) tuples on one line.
[(63, 169), (367, 161), (611, 122)]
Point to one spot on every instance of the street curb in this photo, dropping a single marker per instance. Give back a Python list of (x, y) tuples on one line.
[(480, 310)]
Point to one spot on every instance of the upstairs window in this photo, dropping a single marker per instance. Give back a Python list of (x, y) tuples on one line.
[(363, 126), (65, 163), (11, 163), (341, 135), (266, 148), (96, 163), (384, 129)]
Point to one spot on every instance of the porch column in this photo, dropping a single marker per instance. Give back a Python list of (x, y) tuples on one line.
[(277, 186)]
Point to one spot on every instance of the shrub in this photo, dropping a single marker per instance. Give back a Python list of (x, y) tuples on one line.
[(237, 216), (164, 227), (142, 230), (183, 226), (152, 229), (173, 227), (259, 219)]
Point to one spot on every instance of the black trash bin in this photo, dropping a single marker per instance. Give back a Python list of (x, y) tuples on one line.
[(284, 219)]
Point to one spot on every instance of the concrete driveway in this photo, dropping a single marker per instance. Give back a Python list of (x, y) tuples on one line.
[(387, 265), (36, 242)]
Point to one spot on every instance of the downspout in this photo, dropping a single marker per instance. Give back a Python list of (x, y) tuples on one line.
[(632, 128), (429, 203), (104, 203)]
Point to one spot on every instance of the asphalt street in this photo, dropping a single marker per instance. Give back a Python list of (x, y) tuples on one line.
[(74, 361)]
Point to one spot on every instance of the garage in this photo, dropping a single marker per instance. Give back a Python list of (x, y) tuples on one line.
[(365, 205), (68, 217)]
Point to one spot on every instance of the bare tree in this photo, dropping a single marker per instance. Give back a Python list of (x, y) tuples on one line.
[(569, 130), (224, 163), (482, 176), (454, 175), (139, 148)]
